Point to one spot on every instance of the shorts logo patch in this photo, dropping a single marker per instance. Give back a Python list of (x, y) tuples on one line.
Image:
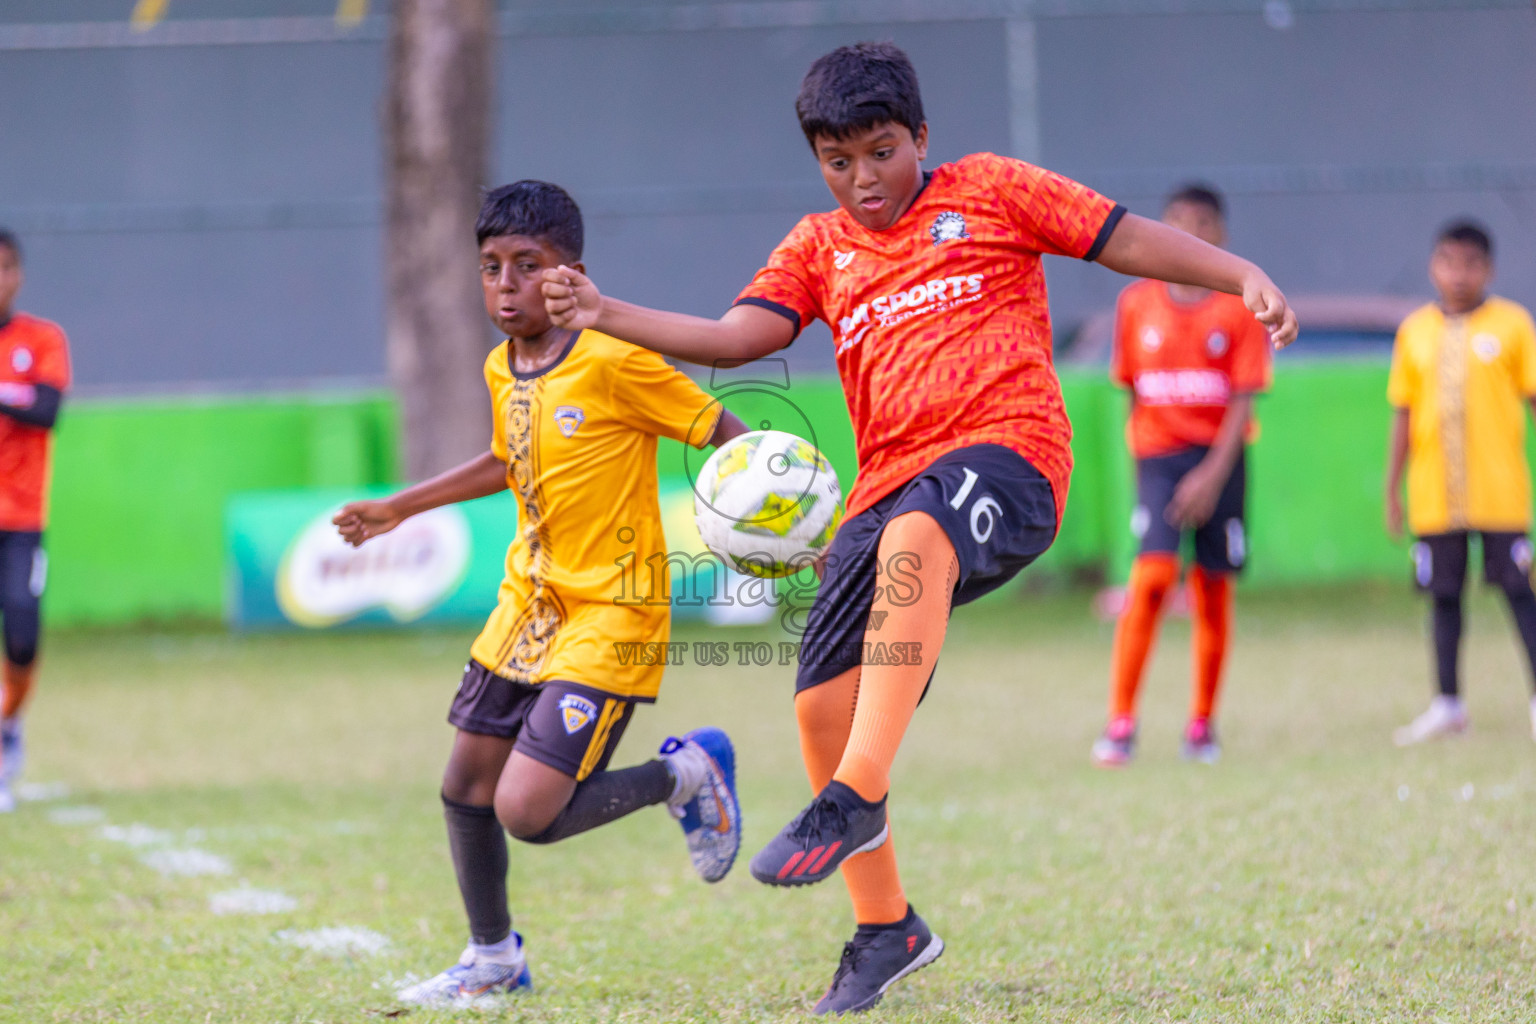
[(1151, 339), (38, 580), (1423, 564), (1486, 347), (568, 418), (1237, 543), (1522, 554), (1217, 344), (576, 712), (948, 226), (21, 360), (1141, 521)]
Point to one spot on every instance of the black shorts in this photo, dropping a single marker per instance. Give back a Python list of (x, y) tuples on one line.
[(997, 510), (1221, 544), (570, 727), (23, 575), (1440, 561)]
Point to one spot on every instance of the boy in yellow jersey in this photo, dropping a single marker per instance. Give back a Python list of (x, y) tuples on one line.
[(1462, 371), (546, 695)]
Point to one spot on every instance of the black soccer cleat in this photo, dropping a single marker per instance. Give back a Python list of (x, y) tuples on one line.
[(878, 957), (836, 825)]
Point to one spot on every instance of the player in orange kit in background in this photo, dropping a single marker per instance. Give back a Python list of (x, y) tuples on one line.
[(1192, 359), (34, 371)]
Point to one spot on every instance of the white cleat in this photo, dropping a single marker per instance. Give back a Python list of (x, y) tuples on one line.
[(7, 798), (471, 979), (1445, 717)]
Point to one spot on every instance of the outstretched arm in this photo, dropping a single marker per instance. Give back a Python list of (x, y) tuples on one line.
[(1141, 247), (743, 334), (730, 426), (362, 520)]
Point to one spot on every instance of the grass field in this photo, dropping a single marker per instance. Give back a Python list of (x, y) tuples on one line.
[(1316, 874)]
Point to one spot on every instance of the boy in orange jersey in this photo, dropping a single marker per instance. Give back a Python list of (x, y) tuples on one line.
[(1192, 359), (34, 373), (933, 286)]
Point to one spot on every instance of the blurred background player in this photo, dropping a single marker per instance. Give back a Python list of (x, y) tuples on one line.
[(1463, 369), (546, 695), (34, 374), (1192, 359), (933, 286)]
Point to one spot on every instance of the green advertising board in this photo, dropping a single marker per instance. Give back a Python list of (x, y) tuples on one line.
[(288, 567)]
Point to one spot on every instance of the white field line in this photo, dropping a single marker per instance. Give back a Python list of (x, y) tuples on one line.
[(340, 940), (41, 792), (79, 814), (246, 900), (185, 863)]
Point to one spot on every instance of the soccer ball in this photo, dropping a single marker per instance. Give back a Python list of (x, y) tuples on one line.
[(767, 503)]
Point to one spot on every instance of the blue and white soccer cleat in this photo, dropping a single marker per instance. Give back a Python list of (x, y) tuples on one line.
[(470, 979), (704, 802)]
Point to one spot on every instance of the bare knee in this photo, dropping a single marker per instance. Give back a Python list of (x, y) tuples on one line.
[(531, 796), (525, 819), (474, 768)]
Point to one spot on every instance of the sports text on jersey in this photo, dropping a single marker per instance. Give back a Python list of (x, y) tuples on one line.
[(929, 297), (1182, 387)]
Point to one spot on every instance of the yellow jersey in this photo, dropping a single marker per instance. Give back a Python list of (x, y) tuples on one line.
[(579, 440), (1465, 381)]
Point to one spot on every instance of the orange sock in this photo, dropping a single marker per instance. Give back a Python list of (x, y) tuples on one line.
[(915, 544), (1152, 576), (18, 684), (825, 714), (1211, 600)]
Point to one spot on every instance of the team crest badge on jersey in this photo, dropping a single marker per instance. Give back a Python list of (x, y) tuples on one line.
[(1151, 340), (840, 260), (1216, 344), (21, 360), (568, 418), (575, 712), (1486, 346), (947, 227)]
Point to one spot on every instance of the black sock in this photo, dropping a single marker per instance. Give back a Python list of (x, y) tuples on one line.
[(479, 849), (1523, 607), (892, 926), (1446, 618), (845, 794), (608, 796)]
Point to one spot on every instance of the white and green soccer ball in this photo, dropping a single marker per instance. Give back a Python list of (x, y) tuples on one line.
[(767, 503)]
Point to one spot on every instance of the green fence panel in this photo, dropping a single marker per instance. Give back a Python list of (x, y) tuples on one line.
[(139, 491), (140, 487)]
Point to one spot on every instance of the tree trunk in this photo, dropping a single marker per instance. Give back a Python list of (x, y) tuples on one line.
[(437, 127)]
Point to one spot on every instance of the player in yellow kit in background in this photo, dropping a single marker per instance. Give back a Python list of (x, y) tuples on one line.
[(1463, 370)]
